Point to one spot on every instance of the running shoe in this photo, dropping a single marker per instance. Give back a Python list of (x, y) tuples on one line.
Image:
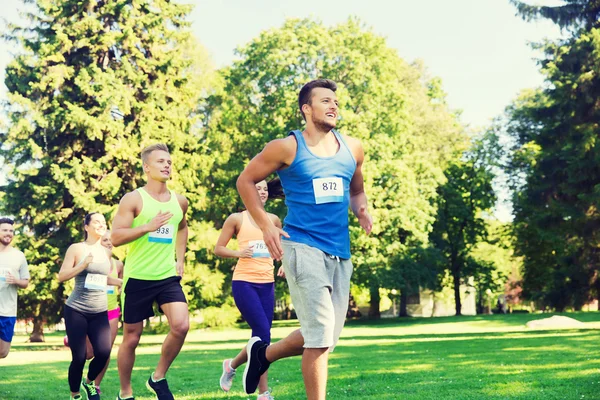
[(265, 396), (160, 388), (257, 363), (90, 390), (227, 376)]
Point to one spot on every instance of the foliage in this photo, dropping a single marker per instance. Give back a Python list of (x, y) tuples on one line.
[(223, 316), (572, 14), (394, 108), (462, 201), (94, 83), (555, 165), (495, 266)]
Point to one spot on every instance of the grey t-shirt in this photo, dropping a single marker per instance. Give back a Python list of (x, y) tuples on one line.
[(13, 261), (89, 293)]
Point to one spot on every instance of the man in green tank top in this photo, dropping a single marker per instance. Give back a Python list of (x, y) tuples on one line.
[(151, 220)]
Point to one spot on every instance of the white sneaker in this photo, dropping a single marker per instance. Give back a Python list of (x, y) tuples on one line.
[(227, 376), (265, 396)]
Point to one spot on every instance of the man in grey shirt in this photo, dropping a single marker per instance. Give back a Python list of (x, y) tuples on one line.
[(14, 274)]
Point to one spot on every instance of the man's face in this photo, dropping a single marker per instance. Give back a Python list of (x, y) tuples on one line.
[(323, 108), (158, 165), (7, 232)]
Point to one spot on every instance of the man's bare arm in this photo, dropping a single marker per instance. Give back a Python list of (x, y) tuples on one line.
[(358, 197), (182, 236), (274, 156)]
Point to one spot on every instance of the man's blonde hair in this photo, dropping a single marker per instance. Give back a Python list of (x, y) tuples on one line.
[(149, 149)]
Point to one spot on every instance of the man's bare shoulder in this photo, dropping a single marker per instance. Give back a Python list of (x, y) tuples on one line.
[(351, 141), (355, 147), (183, 201), (287, 144), (132, 201), (281, 150), (132, 196)]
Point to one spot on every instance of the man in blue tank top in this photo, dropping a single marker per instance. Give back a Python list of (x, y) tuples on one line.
[(320, 171)]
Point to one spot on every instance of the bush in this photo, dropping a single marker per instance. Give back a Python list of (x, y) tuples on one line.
[(224, 316)]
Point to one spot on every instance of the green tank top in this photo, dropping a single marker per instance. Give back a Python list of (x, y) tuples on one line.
[(152, 256), (112, 291)]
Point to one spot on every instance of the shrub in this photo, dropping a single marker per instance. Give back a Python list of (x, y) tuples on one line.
[(224, 316)]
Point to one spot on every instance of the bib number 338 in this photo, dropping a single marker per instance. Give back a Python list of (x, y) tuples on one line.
[(164, 234), (328, 190)]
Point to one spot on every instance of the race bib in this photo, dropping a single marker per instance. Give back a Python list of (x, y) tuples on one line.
[(4, 273), (95, 282), (259, 249), (110, 289), (328, 190), (164, 234)]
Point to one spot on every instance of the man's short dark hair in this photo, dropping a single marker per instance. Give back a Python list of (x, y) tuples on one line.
[(305, 95), (6, 220)]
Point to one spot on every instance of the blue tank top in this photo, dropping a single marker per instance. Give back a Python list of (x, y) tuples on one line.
[(317, 195)]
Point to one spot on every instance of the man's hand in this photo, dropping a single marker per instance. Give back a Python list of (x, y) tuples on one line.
[(179, 266), (281, 272), (246, 252), (365, 219), (272, 237), (159, 220), (10, 279)]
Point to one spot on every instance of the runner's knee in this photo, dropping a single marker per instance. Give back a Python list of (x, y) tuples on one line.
[(131, 338), (180, 328)]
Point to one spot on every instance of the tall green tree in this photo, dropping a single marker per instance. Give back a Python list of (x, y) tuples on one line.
[(393, 107), (462, 202), (496, 267), (555, 163), (94, 82), (557, 155), (572, 14)]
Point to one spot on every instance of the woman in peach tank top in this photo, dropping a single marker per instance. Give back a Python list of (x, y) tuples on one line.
[(252, 285)]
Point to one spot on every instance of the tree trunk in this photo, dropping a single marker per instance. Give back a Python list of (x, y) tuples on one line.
[(456, 276), (403, 304), (37, 335), (374, 312), (480, 309)]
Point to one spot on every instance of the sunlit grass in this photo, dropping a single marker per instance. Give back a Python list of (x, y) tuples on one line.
[(482, 357)]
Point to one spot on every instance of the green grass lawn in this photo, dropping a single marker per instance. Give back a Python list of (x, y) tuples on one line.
[(482, 357)]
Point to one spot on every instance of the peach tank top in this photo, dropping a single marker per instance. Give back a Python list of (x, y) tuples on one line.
[(259, 268)]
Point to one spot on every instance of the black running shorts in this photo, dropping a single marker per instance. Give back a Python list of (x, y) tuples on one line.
[(140, 295)]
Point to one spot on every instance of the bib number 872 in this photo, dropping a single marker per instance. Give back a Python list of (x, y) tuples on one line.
[(329, 186)]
